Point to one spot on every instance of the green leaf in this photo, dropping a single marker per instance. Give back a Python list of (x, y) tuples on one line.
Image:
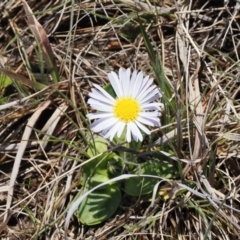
[(101, 169), (109, 89), (102, 203), (115, 166), (99, 205), (98, 170), (5, 81), (95, 171), (97, 146), (142, 186)]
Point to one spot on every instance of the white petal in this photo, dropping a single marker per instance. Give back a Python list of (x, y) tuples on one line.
[(153, 94), (128, 135), (149, 114), (152, 98), (137, 135), (148, 91), (143, 128), (106, 94), (95, 93), (154, 121), (151, 106), (100, 106), (115, 83), (124, 76), (146, 83), (101, 109), (120, 129), (100, 98), (103, 123), (128, 74), (151, 121), (96, 101), (132, 82), (99, 115), (99, 124), (138, 84), (112, 132), (105, 130)]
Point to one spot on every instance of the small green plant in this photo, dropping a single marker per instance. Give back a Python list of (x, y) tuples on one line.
[(123, 109)]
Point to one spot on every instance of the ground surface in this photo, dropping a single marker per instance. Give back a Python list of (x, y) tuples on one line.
[(190, 47)]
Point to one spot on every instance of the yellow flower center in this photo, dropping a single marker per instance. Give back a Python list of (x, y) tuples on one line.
[(126, 109)]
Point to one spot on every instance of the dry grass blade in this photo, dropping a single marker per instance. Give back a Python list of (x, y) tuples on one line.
[(26, 82), (42, 39), (52, 122), (196, 106), (230, 136), (20, 153)]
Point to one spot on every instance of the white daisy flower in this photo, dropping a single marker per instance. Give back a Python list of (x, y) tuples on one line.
[(133, 108)]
